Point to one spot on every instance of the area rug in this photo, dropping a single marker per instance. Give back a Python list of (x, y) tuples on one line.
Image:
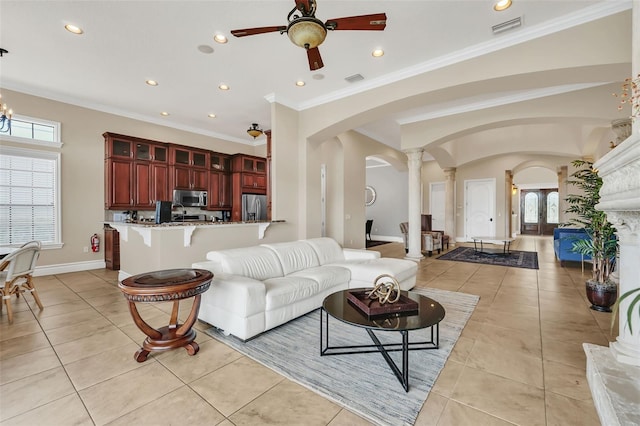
[(373, 243), (362, 383), (516, 259)]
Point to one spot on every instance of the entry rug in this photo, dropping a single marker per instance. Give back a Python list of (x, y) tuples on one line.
[(362, 383), (516, 259)]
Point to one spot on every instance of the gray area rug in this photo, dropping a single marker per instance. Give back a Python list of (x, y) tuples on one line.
[(516, 259), (362, 383)]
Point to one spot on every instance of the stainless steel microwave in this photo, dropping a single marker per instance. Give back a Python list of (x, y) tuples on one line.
[(190, 198)]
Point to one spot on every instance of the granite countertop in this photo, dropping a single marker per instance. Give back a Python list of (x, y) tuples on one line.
[(191, 223)]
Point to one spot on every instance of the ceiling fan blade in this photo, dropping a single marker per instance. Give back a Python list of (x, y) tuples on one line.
[(259, 30), (315, 60), (375, 22)]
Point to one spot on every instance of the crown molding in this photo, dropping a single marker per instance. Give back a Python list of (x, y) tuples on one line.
[(47, 94)]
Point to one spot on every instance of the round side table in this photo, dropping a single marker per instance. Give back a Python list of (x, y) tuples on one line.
[(164, 286)]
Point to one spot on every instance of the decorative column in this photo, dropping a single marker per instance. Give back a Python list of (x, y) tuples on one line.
[(450, 204), (414, 163)]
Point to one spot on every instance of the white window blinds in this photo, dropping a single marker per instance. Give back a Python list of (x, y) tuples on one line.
[(29, 196)]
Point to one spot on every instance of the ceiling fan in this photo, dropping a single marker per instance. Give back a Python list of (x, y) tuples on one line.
[(307, 31)]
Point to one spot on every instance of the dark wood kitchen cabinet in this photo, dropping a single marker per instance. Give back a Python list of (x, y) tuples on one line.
[(189, 168), (185, 156), (219, 191), (118, 183), (253, 183), (250, 164), (136, 172), (151, 184), (249, 177), (111, 248), (220, 162), (189, 178)]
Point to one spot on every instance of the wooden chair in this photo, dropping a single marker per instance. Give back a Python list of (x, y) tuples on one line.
[(16, 275), (367, 229)]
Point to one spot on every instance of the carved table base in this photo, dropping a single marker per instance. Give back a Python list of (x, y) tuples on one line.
[(170, 285)]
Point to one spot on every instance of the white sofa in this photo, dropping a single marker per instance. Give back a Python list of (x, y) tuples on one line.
[(257, 288)]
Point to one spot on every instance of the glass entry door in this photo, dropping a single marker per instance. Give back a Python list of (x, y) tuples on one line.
[(539, 210)]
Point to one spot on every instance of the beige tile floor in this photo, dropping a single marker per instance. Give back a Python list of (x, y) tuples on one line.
[(518, 361)]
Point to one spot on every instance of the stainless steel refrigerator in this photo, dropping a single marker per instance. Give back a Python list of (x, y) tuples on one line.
[(254, 207)]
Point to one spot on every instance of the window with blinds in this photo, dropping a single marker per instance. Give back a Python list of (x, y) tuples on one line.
[(29, 196)]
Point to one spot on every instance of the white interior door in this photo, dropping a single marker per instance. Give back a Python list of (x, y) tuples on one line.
[(480, 208), (436, 205)]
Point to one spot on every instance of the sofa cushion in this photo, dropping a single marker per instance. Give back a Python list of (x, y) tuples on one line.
[(326, 276), (365, 272), (327, 250), (294, 256), (258, 263), (288, 290)]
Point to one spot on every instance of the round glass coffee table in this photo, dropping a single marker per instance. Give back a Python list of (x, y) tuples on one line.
[(428, 315)]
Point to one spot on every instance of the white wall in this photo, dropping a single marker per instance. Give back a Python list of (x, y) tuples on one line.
[(390, 207)]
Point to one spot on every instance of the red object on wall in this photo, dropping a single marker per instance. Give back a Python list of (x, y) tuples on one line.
[(95, 243)]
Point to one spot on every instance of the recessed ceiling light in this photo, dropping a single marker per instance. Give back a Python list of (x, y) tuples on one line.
[(318, 76), (212, 115), (219, 38), (151, 82), (164, 113), (377, 53), (300, 83), (502, 5), (73, 29), (223, 86), (205, 48)]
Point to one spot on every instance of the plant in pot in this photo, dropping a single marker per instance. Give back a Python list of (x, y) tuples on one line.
[(601, 244)]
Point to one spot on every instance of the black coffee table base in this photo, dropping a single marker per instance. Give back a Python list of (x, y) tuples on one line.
[(383, 348)]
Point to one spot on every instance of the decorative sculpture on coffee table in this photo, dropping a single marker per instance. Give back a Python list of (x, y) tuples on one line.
[(385, 292)]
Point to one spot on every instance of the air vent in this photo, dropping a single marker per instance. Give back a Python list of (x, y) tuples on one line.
[(354, 78), (513, 23)]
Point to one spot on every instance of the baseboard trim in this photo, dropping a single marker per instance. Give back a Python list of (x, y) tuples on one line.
[(391, 239), (64, 268)]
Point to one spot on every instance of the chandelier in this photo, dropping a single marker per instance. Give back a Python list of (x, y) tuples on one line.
[(5, 118), (254, 130)]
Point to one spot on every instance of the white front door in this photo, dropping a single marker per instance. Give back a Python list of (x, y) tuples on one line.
[(436, 205), (480, 207)]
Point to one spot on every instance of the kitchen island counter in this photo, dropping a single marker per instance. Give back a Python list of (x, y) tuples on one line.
[(146, 246)]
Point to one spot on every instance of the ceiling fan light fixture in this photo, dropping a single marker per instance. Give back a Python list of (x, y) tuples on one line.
[(307, 32), (254, 131)]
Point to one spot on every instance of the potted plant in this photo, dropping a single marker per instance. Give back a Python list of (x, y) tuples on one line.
[(601, 244)]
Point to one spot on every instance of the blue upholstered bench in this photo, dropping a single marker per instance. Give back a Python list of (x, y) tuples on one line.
[(563, 239)]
